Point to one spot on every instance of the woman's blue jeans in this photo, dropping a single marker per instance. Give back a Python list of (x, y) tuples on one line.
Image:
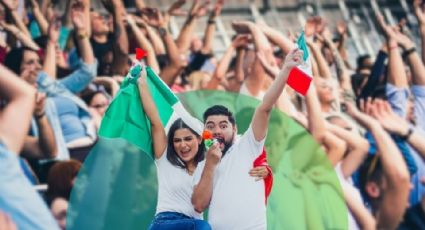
[(177, 221)]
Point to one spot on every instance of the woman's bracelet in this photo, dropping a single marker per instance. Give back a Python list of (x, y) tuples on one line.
[(407, 52)]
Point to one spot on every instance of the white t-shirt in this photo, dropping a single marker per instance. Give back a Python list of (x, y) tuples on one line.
[(347, 184), (175, 188), (237, 200), (245, 91)]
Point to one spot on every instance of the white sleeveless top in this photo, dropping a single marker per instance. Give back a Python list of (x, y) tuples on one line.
[(245, 91)]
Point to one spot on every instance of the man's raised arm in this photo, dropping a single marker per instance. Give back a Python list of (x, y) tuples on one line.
[(260, 121)]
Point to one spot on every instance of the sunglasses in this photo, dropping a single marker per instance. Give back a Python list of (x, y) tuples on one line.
[(100, 106)]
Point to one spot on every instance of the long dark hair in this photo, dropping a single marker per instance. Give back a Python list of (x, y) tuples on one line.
[(13, 59), (60, 179), (171, 152)]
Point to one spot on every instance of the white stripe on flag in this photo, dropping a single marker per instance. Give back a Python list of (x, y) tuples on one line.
[(191, 121)]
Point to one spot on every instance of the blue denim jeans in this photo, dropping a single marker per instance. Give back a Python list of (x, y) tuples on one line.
[(177, 221)]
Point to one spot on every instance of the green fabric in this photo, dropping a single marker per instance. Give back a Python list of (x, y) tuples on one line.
[(302, 45), (125, 116), (306, 193), (117, 187)]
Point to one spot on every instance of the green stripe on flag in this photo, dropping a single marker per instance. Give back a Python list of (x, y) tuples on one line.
[(302, 45), (126, 118)]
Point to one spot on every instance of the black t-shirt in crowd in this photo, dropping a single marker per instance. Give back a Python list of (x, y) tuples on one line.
[(414, 218), (198, 60), (103, 54)]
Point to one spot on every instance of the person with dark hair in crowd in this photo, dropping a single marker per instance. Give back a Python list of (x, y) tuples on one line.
[(40, 143), (67, 113), (226, 162), (176, 156), (201, 51), (364, 64), (109, 39), (384, 178), (17, 197), (61, 179), (56, 53), (414, 217), (98, 101), (397, 93)]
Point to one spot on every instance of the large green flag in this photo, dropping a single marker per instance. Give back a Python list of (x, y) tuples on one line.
[(125, 117), (117, 186)]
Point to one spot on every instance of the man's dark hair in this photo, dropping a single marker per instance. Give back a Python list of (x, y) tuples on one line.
[(14, 59), (357, 80), (219, 110), (370, 171), (380, 92), (171, 152), (360, 61), (42, 41)]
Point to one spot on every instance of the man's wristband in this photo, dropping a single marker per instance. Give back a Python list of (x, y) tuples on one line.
[(407, 52), (211, 21), (38, 117), (240, 48), (407, 135), (162, 31), (82, 35)]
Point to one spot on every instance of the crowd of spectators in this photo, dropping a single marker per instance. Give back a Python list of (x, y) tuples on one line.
[(59, 72)]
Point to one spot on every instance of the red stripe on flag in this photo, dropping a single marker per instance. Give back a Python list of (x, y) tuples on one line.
[(140, 54), (299, 81)]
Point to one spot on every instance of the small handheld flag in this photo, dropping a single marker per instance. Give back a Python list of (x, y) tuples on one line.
[(300, 76), (208, 140), (137, 67)]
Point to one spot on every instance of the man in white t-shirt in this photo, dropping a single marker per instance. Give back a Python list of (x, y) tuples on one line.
[(222, 183)]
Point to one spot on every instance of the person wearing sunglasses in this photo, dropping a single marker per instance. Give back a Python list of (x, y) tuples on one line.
[(98, 101)]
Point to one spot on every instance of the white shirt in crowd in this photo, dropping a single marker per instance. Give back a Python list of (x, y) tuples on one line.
[(245, 91), (347, 185), (175, 188), (238, 200)]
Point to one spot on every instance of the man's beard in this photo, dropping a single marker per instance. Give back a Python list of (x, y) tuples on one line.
[(227, 145)]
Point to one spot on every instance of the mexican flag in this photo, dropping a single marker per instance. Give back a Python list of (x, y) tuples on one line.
[(117, 187), (300, 76), (126, 118)]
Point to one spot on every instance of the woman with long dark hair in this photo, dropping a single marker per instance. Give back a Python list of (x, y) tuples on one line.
[(176, 157), (17, 196)]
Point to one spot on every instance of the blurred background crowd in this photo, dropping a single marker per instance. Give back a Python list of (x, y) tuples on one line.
[(62, 63)]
